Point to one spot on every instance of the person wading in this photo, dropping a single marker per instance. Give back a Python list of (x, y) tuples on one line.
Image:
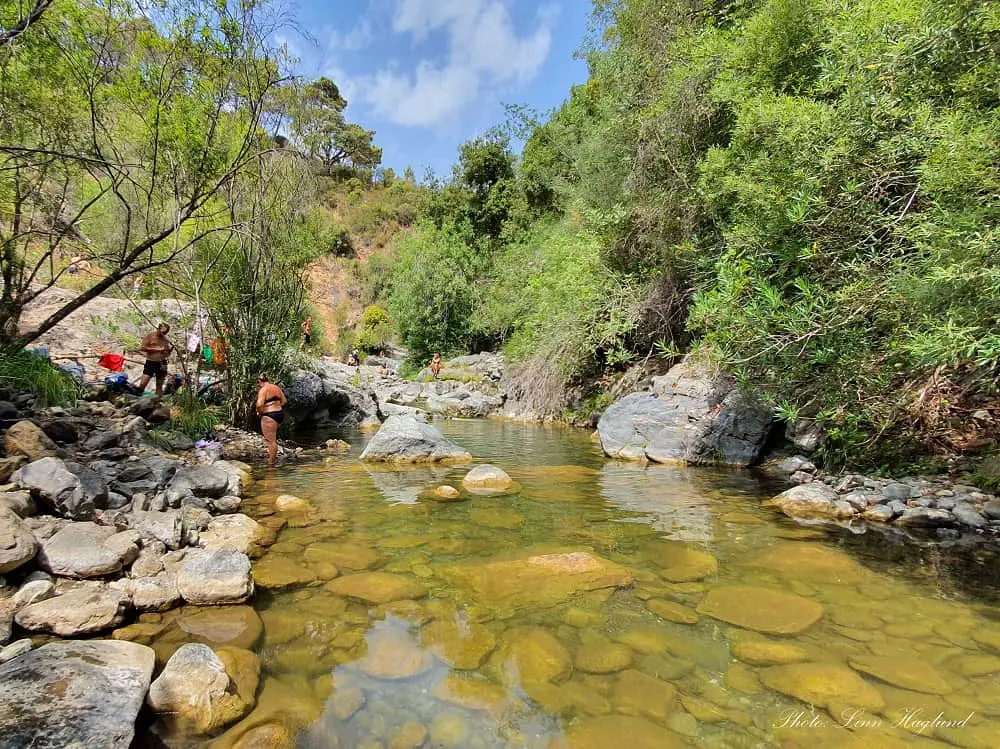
[(157, 349), (271, 402)]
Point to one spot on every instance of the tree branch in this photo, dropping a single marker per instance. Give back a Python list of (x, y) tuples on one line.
[(8, 36)]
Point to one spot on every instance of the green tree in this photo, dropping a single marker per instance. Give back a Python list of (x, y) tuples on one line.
[(118, 136), (319, 126)]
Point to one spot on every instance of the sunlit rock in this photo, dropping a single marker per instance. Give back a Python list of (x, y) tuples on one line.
[(542, 580), (905, 671), (532, 654), (761, 609), (376, 587), (461, 643), (827, 685)]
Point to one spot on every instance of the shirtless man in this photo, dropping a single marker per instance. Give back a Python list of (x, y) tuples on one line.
[(157, 349)]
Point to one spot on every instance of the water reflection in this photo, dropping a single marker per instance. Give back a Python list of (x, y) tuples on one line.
[(404, 484)]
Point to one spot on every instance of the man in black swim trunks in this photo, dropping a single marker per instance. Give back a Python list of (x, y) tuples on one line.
[(157, 349)]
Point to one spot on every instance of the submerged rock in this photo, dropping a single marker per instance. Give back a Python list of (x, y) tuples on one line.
[(543, 580), (445, 493), (222, 626), (827, 685), (761, 609), (618, 730), (531, 655), (462, 644), (393, 655), (376, 587), (74, 694), (403, 439), (692, 416), (904, 671)]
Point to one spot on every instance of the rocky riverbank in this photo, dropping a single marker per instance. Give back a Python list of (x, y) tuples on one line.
[(101, 532)]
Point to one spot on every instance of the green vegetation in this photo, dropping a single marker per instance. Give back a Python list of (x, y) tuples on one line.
[(50, 385), (806, 192)]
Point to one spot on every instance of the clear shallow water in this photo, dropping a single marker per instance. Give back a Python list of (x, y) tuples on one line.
[(502, 627)]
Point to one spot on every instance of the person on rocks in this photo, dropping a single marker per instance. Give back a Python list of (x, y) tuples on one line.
[(354, 360), (306, 333), (436, 366), (157, 349), (271, 402)]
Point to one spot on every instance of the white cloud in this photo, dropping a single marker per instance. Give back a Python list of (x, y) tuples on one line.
[(355, 40), (484, 53)]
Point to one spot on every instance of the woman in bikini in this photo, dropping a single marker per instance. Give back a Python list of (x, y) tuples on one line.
[(271, 402)]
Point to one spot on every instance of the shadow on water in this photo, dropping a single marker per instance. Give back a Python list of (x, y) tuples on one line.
[(600, 605)]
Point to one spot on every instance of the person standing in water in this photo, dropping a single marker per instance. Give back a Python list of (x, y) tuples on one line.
[(436, 365), (157, 349), (271, 402)]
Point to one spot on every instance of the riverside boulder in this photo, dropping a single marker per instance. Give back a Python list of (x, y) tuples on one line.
[(74, 694), (84, 550), (27, 439), (214, 577), (17, 543), (691, 415), (49, 480), (85, 609), (403, 439)]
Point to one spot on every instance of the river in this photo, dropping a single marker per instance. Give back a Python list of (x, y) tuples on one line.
[(735, 621)]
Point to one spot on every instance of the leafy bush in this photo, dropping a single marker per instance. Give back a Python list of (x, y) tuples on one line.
[(432, 292), (376, 329), (50, 385)]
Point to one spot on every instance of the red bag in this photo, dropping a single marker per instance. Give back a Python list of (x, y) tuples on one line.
[(113, 362)]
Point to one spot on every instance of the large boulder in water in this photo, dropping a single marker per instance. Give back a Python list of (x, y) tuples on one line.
[(403, 439), (327, 395), (74, 694), (691, 415)]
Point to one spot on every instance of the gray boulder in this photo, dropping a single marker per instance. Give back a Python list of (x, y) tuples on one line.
[(969, 515), (813, 500), (232, 531), (925, 517), (153, 593), (403, 439), (84, 609), (74, 695), (214, 577), (464, 404), (198, 481), (83, 550), (15, 650), (49, 480), (18, 545), (95, 488), (33, 591), (326, 395), (806, 435), (20, 502), (166, 527), (690, 416)]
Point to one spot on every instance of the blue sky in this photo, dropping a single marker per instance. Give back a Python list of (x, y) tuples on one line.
[(427, 75)]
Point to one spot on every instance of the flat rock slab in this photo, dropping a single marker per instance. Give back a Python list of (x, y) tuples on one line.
[(84, 695), (542, 580), (89, 608), (377, 587), (403, 439), (761, 609), (84, 550)]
